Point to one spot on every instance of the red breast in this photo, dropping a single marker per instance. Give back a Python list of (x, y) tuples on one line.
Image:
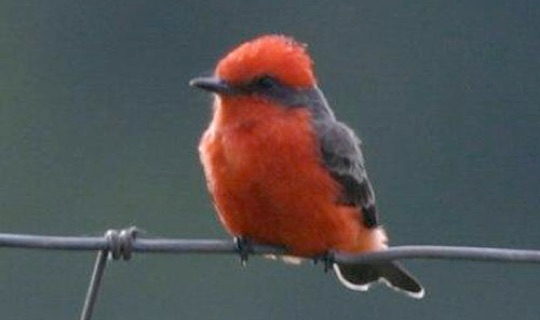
[(264, 170)]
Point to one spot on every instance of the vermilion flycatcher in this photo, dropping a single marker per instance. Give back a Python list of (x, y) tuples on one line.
[(283, 171)]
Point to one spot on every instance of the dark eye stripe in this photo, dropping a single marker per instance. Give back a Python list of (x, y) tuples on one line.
[(271, 88), (265, 82)]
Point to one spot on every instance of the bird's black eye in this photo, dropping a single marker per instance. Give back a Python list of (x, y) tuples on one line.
[(265, 82)]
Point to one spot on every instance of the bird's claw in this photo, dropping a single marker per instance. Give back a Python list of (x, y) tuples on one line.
[(243, 246), (326, 259)]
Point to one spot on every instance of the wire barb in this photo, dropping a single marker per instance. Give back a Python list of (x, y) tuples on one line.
[(119, 245)]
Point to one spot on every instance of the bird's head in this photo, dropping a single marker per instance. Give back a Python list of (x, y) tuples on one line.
[(269, 65)]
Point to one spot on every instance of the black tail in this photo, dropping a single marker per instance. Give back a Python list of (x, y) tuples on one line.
[(361, 276)]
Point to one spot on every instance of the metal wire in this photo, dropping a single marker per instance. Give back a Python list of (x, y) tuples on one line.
[(155, 245), (204, 246), (444, 253), (95, 283), (121, 244)]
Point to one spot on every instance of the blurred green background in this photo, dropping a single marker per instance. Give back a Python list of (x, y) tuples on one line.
[(99, 129)]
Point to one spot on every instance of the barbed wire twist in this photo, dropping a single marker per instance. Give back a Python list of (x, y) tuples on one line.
[(121, 244)]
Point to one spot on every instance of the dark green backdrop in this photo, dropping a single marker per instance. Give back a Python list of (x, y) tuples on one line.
[(99, 129)]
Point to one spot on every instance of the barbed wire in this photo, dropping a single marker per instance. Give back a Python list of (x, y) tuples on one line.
[(121, 244)]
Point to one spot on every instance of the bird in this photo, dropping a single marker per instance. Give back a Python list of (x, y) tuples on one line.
[(282, 170)]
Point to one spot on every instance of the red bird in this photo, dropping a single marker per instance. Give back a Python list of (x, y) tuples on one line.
[(283, 171)]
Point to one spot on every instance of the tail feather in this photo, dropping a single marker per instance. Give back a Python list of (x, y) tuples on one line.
[(362, 276)]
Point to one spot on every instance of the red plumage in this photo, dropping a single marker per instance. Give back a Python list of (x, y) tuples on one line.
[(264, 171), (263, 159)]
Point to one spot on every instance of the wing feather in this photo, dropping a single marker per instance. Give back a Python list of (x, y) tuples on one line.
[(343, 158)]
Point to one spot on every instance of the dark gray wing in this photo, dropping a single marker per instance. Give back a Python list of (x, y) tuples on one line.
[(343, 158)]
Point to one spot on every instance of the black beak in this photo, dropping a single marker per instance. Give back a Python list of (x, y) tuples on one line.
[(212, 84)]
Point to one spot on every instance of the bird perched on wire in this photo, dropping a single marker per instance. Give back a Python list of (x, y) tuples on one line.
[(283, 171)]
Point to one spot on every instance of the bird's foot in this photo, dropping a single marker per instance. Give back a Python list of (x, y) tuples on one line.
[(243, 246), (326, 259)]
